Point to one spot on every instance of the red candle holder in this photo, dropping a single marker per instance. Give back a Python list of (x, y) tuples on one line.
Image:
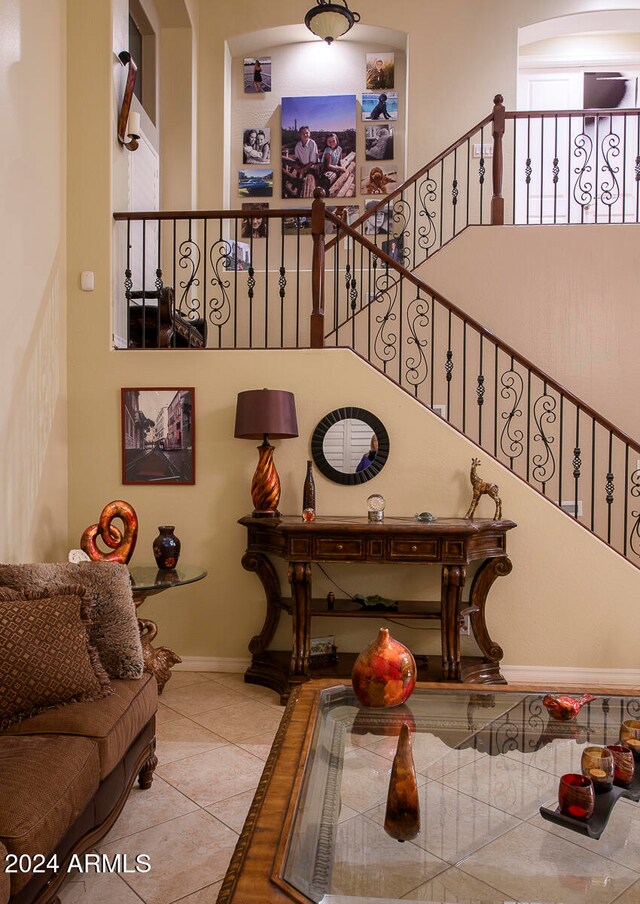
[(623, 764), (576, 796)]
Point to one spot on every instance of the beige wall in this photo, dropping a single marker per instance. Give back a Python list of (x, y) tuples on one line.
[(548, 594), (564, 296), (33, 488)]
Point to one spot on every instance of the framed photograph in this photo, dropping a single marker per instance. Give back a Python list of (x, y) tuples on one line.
[(256, 146), (378, 142), (255, 183), (394, 247), (380, 106), (296, 225), (257, 75), (380, 71), (255, 226), (319, 146), (158, 436), (347, 212), (379, 179), (237, 255), (377, 223)]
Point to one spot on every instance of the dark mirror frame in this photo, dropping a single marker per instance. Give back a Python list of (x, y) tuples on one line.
[(317, 441)]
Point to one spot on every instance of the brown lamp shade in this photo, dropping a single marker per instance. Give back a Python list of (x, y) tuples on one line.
[(270, 412)]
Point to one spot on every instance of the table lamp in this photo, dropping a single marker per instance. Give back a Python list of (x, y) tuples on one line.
[(260, 414)]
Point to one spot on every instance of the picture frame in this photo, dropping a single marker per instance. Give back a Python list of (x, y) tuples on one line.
[(380, 71), (380, 107), (256, 146), (158, 435), (257, 74), (318, 145)]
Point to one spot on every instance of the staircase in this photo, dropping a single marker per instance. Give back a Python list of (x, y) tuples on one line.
[(560, 167)]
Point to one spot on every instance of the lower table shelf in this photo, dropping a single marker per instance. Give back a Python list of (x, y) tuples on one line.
[(272, 669)]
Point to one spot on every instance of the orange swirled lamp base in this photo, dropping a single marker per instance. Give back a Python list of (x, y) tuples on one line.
[(265, 486), (121, 543)]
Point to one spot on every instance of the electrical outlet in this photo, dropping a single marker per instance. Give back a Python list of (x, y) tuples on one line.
[(483, 150), (465, 625)]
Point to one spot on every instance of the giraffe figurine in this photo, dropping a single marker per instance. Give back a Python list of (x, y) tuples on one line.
[(482, 488)]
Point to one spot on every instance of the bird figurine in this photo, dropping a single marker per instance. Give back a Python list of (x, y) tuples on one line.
[(563, 707)]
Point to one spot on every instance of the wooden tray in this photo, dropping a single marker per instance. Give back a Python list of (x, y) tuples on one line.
[(604, 803)]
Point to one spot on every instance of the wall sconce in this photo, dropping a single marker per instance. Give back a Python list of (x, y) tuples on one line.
[(261, 413), (128, 123), (330, 20)]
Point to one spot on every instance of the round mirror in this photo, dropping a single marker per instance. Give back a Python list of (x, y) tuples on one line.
[(350, 445)]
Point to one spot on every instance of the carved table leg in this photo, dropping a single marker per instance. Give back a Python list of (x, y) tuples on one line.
[(300, 579), (453, 578), (157, 660), (482, 582), (255, 561)]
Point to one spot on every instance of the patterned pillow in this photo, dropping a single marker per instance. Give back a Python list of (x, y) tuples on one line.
[(114, 630), (47, 657)]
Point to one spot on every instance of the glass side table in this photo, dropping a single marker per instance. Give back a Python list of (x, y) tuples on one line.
[(148, 580)]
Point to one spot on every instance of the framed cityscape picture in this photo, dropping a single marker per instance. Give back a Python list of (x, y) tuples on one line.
[(158, 436)]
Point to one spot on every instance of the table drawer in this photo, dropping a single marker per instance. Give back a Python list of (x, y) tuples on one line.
[(351, 548), (420, 549)]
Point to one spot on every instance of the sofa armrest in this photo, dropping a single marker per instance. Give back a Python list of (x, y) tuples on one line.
[(4, 878)]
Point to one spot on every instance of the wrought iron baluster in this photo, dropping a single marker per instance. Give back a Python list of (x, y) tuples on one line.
[(128, 283), (634, 534), (527, 167), (448, 368), (555, 172), (480, 390), (577, 464), (511, 437), (481, 174), (454, 189), (609, 487), (541, 165), (609, 188), (417, 367), (583, 188), (544, 415)]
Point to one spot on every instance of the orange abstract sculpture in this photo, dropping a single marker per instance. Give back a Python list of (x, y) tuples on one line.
[(121, 543)]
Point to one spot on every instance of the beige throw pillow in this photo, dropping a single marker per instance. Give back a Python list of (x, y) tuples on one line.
[(114, 631)]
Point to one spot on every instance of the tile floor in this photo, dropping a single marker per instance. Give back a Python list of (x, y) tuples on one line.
[(214, 734)]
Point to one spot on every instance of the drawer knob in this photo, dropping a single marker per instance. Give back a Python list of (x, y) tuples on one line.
[(340, 547), (414, 549)]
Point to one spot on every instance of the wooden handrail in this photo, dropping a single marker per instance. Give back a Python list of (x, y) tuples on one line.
[(210, 214), (483, 331)]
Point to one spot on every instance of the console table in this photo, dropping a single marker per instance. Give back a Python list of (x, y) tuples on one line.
[(451, 543)]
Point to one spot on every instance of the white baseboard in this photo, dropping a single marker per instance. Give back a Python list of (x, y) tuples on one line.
[(514, 674), (211, 664), (550, 675)]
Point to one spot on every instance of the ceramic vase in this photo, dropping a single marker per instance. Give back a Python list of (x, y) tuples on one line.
[(402, 816), (166, 547), (384, 674)]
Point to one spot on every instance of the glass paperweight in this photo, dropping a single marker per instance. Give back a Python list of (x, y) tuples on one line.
[(308, 514), (375, 507)]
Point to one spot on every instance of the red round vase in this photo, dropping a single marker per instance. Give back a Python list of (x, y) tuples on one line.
[(384, 673)]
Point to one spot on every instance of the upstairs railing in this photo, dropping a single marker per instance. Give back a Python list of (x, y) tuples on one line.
[(302, 277), (521, 168)]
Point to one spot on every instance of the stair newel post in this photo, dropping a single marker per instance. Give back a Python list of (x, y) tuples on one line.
[(497, 201), (317, 274)]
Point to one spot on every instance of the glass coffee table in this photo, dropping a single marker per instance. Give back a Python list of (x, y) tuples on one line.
[(486, 762)]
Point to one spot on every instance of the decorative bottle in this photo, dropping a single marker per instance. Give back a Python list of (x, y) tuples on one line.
[(166, 548), (309, 491)]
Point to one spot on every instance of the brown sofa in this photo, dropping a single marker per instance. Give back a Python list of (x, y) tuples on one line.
[(66, 772)]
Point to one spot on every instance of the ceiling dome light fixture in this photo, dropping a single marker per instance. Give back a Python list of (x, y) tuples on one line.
[(330, 20)]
